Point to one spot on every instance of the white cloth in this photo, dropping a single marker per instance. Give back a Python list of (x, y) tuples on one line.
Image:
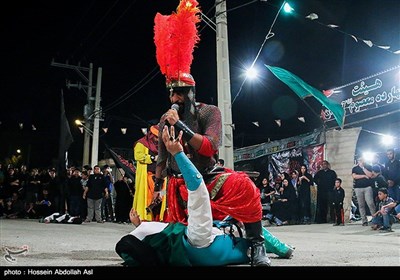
[(200, 231), (148, 228)]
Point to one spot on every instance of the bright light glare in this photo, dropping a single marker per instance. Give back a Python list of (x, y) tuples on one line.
[(368, 156), (78, 122), (251, 73), (287, 8), (387, 140), (18, 151)]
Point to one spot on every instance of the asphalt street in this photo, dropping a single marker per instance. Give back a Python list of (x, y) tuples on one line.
[(34, 244)]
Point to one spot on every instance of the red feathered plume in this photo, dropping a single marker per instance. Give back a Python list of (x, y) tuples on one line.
[(175, 37)]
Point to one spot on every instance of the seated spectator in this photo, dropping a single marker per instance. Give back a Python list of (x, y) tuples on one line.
[(285, 206), (44, 205), (266, 191), (382, 219), (397, 212), (14, 207), (268, 195)]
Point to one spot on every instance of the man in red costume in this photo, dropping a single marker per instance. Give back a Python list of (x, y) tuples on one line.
[(231, 193)]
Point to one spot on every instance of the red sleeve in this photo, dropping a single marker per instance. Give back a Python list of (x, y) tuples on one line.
[(206, 148)]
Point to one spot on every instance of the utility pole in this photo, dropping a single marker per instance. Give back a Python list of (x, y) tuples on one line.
[(87, 111), (223, 83), (96, 114)]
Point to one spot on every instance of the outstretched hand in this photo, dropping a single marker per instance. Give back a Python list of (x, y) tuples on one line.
[(172, 144), (134, 217)]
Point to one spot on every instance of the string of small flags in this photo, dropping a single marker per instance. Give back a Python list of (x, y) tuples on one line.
[(369, 43)]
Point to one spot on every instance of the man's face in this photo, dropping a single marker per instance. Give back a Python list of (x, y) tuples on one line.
[(390, 155), (177, 97)]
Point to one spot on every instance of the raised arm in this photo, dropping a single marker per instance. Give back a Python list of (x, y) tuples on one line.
[(199, 229)]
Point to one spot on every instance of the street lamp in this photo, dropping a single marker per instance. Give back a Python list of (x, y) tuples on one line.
[(387, 140), (287, 8), (86, 143), (80, 124)]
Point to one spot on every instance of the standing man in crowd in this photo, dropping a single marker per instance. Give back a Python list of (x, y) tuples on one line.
[(325, 181), (231, 193), (96, 188), (392, 174), (107, 203), (363, 183)]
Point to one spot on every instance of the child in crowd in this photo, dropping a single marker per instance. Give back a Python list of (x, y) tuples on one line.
[(382, 219), (337, 202)]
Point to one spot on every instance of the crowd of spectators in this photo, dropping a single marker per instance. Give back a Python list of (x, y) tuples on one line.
[(38, 193), (287, 199)]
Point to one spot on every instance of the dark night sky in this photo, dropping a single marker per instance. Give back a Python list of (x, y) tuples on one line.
[(118, 36)]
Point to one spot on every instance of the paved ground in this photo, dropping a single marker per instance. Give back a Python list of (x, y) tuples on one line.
[(93, 244)]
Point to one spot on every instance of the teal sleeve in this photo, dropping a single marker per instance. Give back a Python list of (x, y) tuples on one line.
[(190, 173)]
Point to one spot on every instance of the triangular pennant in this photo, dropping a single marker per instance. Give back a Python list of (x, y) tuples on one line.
[(333, 26), (368, 43), (384, 47), (312, 16)]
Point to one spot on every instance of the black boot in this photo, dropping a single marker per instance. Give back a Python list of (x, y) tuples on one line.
[(254, 234)]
